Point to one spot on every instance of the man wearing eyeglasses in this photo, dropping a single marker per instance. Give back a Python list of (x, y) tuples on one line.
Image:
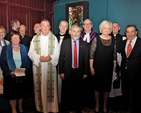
[(88, 35)]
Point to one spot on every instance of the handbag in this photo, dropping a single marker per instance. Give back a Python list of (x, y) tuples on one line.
[(1, 86)]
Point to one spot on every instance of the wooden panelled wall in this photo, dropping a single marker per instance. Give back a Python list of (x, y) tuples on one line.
[(28, 12)]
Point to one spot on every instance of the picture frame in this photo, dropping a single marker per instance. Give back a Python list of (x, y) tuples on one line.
[(76, 13)]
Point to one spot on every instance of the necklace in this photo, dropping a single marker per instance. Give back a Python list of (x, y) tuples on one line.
[(16, 46), (106, 38)]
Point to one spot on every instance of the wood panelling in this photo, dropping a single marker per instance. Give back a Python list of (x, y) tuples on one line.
[(36, 4), (3, 15), (21, 14), (28, 12), (3, 0), (35, 17), (50, 13)]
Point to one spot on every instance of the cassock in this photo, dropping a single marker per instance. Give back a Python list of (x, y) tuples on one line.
[(60, 39), (45, 84)]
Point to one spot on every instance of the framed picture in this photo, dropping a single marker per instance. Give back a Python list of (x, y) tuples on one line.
[(76, 13)]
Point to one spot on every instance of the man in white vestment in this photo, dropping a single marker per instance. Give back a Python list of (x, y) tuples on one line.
[(44, 53)]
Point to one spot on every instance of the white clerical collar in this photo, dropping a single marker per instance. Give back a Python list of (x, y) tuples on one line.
[(61, 37), (87, 37)]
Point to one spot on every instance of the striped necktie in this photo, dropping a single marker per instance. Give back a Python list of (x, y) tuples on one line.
[(129, 48)]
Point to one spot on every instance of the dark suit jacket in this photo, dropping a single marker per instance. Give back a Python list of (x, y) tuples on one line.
[(7, 37), (65, 59), (133, 62), (26, 40)]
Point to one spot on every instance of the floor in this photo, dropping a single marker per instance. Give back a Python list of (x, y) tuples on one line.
[(29, 106)]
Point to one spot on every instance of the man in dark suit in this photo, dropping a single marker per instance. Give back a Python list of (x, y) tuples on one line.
[(73, 69), (131, 69), (15, 24), (26, 39)]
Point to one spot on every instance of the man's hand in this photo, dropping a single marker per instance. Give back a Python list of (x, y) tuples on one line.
[(85, 76), (45, 58), (42, 58), (62, 76)]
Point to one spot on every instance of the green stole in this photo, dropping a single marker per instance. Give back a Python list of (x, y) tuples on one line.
[(50, 73)]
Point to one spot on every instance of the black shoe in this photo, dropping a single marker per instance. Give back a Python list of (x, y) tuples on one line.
[(126, 109), (72, 111)]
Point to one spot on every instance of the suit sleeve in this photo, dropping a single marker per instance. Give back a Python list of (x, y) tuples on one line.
[(3, 62), (62, 58)]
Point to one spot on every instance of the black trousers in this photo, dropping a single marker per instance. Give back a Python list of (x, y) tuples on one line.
[(72, 91), (131, 91)]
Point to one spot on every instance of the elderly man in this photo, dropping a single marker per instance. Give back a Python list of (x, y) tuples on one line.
[(130, 69), (88, 35), (62, 35), (44, 52), (73, 68), (116, 35), (37, 28), (26, 39), (15, 25)]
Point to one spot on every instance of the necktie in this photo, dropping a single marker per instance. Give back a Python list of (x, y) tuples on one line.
[(129, 48), (75, 55)]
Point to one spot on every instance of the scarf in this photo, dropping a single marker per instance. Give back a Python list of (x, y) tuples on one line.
[(92, 35), (11, 62)]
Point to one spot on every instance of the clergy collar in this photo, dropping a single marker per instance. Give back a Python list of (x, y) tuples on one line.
[(61, 34)]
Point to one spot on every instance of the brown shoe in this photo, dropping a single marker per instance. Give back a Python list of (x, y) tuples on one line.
[(96, 110)]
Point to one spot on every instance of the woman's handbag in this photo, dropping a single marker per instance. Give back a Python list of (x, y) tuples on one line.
[(116, 83), (1, 85)]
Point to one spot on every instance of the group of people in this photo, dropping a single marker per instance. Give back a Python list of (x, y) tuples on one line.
[(73, 68)]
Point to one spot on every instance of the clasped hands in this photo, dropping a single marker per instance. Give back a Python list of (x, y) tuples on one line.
[(45, 58)]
